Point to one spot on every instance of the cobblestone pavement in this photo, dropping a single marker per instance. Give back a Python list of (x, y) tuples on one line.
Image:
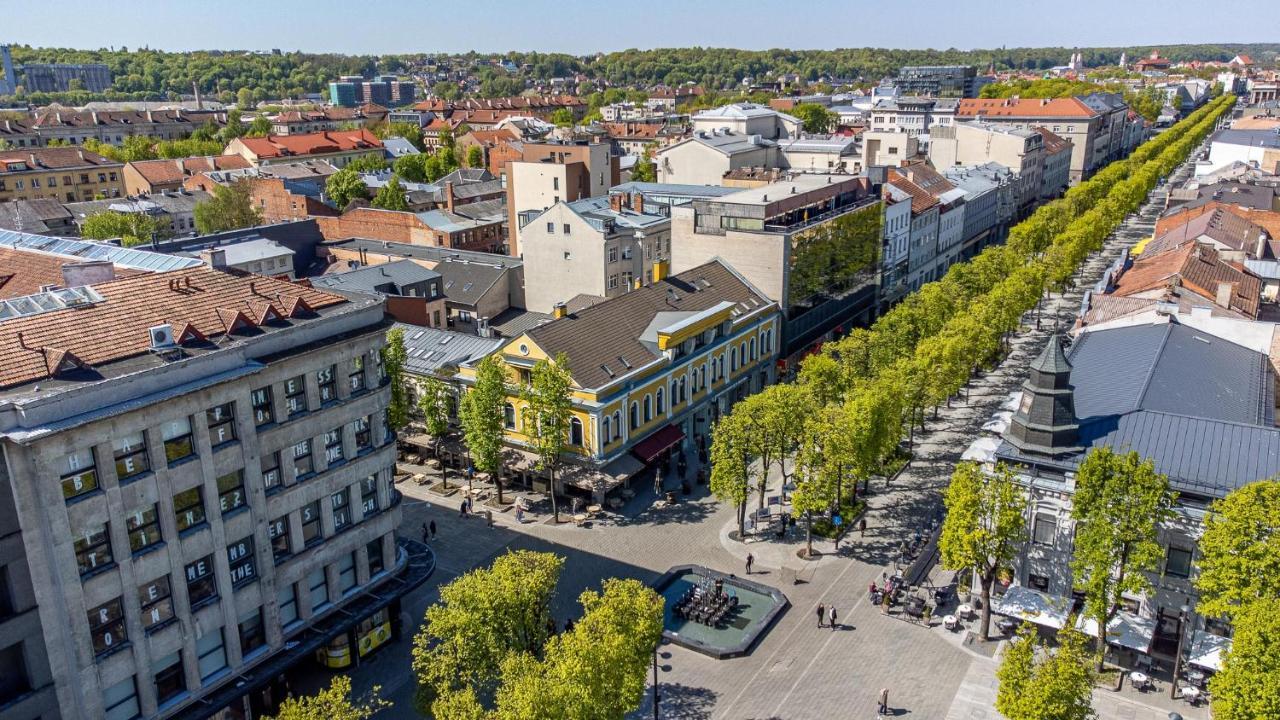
[(797, 670)]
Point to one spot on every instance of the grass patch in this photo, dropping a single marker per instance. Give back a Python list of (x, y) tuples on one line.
[(824, 528)]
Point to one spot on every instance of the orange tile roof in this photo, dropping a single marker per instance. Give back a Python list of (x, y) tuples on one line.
[(921, 199), (52, 158), (24, 272), (1196, 268), (1052, 143), (195, 300), (332, 141), (1024, 108), (163, 172), (632, 130), (493, 137)]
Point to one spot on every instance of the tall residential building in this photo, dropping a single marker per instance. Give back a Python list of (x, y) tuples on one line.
[(912, 115), (1022, 150), (195, 492), (952, 81), (1069, 118), (343, 93), (550, 172), (8, 78), (42, 77)]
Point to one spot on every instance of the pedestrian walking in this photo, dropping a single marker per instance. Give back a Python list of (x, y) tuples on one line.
[(862, 527), (462, 508), (832, 613), (432, 527), (750, 559), (822, 613), (886, 601), (426, 534), (884, 701)]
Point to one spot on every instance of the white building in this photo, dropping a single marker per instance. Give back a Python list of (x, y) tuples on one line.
[(748, 119)]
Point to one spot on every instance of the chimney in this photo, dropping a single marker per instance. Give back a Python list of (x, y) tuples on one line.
[(195, 89), (448, 196), (637, 203), (616, 201), (1223, 297), (216, 257), (149, 117), (559, 310)]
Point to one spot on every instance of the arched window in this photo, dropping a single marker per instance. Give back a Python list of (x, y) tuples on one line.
[(753, 348), (648, 408), (721, 373), (733, 359), (702, 379), (635, 415), (509, 416), (575, 432), (617, 425), (658, 398), (683, 394), (605, 436)]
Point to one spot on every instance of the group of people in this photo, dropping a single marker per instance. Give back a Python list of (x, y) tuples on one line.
[(827, 614), (464, 508)]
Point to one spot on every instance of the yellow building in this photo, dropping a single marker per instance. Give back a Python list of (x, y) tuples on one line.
[(66, 174), (652, 369)]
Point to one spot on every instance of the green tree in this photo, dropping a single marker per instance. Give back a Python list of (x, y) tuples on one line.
[(475, 157), (1038, 684), (817, 472), (234, 127), (550, 410), (332, 703), (595, 671), (561, 117), (481, 618), (434, 397), (984, 527), (260, 127), (483, 418), (1240, 551), (411, 167), (645, 170), (393, 360), (731, 465), (1119, 503), (391, 196), (230, 208), (367, 163), (816, 118), (344, 186), (132, 228), (446, 90), (1248, 686), (244, 98)]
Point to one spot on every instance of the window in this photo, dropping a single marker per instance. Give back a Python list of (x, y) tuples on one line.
[(287, 600), (1038, 582), (1046, 528), (311, 531), (369, 495), (188, 509), (1178, 562), (575, 432), (131, 455), (341, 504), (617, 424), (328, 385), (271, 472), (169, 678), (356, 378), (156, 600), (374, 551), (243, 562), (648, 408), (201, 587), (605, 435), (613, 282), (81, 477), (144, 528), (363, 433), (508, 416), (121, 701), (93, 550), (295, 395), (347, 573), (733, 359), (222, 424), (302, 464), (635, 416), (333, 446), (252, 635), (318, 589), (211, 654), (106, 627), (263, 412), (231, 491), (551, 228), (565, 229), (177, 440), (613, 254)]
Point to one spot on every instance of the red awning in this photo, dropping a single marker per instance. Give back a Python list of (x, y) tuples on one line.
[(651, 447)]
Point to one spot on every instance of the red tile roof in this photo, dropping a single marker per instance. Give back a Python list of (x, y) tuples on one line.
[(1024, 108), (194, 301), (167, 172), (1053, 144), (274, 146), (51, 158), (921, 199), (1196, 268), (24, 272)]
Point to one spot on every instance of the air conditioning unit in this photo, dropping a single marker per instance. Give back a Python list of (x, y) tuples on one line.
[(161, 337)]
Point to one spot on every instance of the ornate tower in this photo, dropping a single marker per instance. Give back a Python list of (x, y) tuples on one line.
[(1045, 423)]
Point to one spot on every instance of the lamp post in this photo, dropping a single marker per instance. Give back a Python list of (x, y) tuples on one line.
[(1177, 659), (655, 682)]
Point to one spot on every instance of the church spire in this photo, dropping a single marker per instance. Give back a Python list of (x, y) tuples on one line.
[(1045, 423)]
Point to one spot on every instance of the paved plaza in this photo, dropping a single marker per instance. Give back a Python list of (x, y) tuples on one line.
[(798, 670)]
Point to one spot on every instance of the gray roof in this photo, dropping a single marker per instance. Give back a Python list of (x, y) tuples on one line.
[(32, 216), (466, 282), (253, 250), (730, 143), (429, 252), (486, 210), (386, 278), (446, 221), (1253, 138), (673, 193), (176, 202), (597, 210), (430, 349), (85, 250), (513, 322), (398, 147), (1053, 359)]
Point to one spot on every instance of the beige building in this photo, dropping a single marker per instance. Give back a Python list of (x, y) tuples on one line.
[(708, 155), (338, 148), (977, 143), (748, 119), (63, 173), (888, 147), (1068, 118), (553, 172)]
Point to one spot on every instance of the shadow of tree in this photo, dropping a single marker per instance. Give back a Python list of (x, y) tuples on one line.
[(678, 702)]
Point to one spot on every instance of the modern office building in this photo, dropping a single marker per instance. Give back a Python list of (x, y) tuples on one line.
[(953, 81), (195, 493)]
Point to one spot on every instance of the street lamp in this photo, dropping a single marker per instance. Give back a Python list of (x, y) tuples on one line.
[(655, 681), (1177, 659)]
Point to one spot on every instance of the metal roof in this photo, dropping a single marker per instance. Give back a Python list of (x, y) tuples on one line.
[(85, 250), (377, 278), (428, 350)]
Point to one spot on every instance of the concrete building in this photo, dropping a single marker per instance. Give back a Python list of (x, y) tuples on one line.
[(976, 143), (195, 516), (602, 247), (261, 256), (1056, 175), (414, 294), (550, 172), (707, 156), (950, 81), (990, 203), (336, 148), (835, 154), (1068, 118), (65, 174), (895, 228), (748, 119), (441, 228), (113, 126), (49, 78), (174, 210), (1257, 148), (913, 115), (888, 148)]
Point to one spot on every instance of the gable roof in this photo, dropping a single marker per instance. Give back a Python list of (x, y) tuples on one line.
[(24, 272), (1198, 269), (332, 141), (164, 172), (1025, 108), (1218, 225), (921, 199), (428, 350), (608, 334)]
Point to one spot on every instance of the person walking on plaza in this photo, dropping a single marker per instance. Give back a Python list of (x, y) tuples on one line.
[(462, 508), (426, 534), (432, 527), (862, 527), (884, 701), (822, 613), (750, 559), (832, 613)]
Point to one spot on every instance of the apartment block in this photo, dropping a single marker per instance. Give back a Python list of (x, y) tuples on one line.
[(65, 174), (549, 172)]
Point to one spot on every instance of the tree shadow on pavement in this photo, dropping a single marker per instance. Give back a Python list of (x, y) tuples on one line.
[(679, 702)]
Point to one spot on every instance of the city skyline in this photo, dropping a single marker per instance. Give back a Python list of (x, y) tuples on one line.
[(536, 26)]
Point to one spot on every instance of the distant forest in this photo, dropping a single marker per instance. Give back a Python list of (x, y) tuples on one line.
[(151, 74)]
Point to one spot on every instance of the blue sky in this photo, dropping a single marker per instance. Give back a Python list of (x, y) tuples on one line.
[(585, 26)]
